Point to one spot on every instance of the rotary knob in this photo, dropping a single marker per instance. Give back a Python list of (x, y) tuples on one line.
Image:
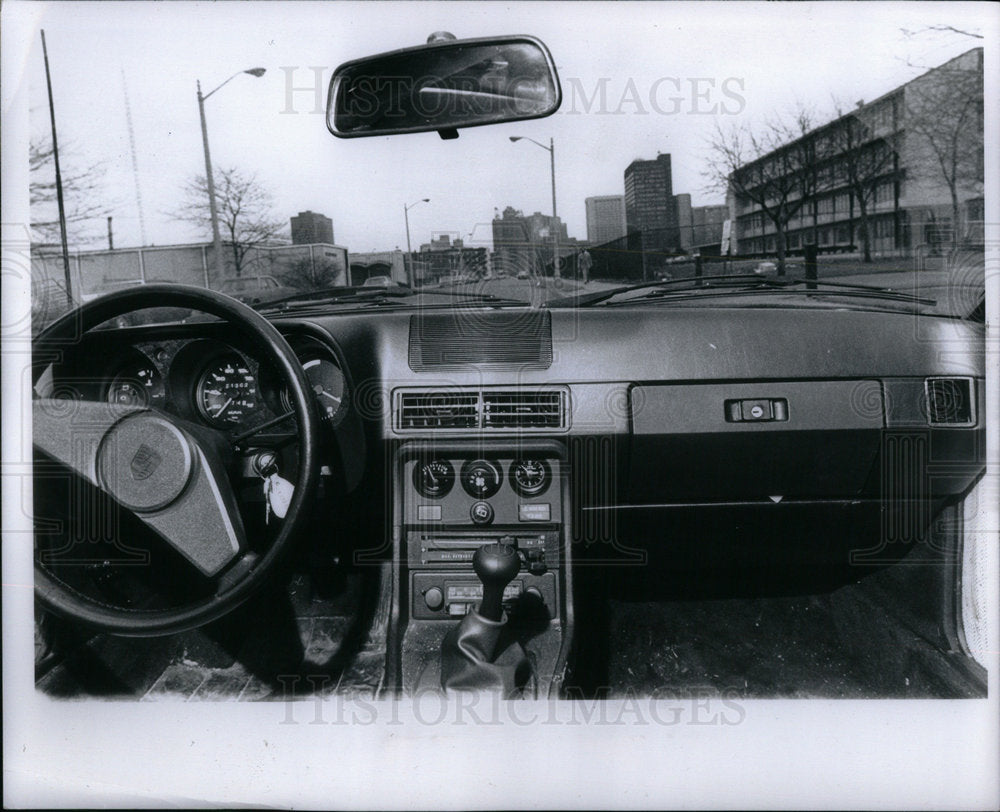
[(434, 598), (481, 512)]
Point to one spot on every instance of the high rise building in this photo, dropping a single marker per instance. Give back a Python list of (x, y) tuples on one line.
[(308, 227), (699, 226), (526, 242), (649, 202), (605, 218)]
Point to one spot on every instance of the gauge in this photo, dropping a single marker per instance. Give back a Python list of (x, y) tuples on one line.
[(530, 476), (227, 391), (481, 478), (433, 479), (327, 382), (137, 386)]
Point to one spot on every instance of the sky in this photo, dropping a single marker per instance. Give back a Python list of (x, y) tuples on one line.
[(668, 71)]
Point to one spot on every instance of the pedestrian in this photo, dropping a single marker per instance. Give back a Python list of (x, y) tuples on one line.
[(583, 264)]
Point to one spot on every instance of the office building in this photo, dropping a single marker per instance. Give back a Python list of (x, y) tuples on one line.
[(650, 207), (883, 157), (605, 218), (308, 227)]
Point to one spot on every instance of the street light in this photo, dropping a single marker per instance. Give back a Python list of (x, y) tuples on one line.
[(409, 255), (216, 239), (551, 149)]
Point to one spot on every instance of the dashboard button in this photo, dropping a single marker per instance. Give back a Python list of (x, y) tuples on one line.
[(481, 512), (434, 598)]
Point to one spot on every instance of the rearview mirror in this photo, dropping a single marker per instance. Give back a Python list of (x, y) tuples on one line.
[(443, 86)]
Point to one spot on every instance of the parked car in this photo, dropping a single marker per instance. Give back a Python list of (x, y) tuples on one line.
[(256, 289), (109, 287), (378, 282)]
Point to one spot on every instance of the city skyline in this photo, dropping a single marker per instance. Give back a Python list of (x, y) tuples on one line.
[(274, 125)]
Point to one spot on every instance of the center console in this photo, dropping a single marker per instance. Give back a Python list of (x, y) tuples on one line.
[(453, 498)]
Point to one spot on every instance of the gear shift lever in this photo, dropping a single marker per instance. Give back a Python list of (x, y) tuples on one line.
[(474, 654), (495, 565)]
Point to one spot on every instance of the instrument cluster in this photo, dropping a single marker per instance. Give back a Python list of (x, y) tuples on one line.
[(220, 385), (482, 478)]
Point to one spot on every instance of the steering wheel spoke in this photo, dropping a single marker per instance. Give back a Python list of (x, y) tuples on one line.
[(153, 468)]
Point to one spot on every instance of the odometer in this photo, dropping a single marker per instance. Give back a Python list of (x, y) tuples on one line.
[(227, 391)]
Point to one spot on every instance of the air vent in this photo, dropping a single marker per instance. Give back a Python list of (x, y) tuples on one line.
[(949, 401), (522, 410), (513, 409), (469, 338), (438, 410)]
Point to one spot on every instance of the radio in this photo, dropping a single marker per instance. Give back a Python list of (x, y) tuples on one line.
[(444, 586), (441, 595), (538, 551)]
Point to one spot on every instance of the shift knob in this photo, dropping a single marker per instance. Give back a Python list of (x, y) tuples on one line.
[(495, 565)]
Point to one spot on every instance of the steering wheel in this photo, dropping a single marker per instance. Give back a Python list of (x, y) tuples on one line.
[(168, 473)]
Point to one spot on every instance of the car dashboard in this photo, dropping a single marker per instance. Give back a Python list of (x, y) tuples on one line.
[(582, 437)]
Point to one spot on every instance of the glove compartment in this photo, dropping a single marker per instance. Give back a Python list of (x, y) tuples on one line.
[(750, 441)]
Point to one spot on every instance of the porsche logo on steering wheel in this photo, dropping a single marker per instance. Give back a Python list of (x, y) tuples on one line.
[(144, 463)]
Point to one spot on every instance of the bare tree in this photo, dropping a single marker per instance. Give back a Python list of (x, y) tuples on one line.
[(83, 194), (940, 28), (775, 168), (864, 160), (245, 210), (944, 110), (303, 275)]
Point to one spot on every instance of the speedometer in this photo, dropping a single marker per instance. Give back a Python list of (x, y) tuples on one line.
[(227, 391)]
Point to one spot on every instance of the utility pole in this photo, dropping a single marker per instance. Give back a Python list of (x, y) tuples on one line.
[(59, 188), (409, 254), (111, 237)]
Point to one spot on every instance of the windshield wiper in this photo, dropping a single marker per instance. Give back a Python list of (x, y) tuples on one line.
[(380, 297), (333, 297), (694, 287)]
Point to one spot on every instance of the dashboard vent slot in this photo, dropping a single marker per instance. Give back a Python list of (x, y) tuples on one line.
[(522, 410), (468, 338), (500, 409), (949, 401), (438, 410)]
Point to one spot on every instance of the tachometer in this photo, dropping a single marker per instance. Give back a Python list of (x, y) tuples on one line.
[(433, 479), (227, 392), (137, 386)]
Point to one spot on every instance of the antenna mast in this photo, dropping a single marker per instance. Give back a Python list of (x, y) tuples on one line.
[(135, 160)]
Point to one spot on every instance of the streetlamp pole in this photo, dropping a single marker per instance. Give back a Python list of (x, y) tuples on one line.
[(409, 251), (556, 271), (209, 178), (551, 148)]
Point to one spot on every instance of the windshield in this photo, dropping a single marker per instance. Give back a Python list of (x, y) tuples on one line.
[(680, 151)]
